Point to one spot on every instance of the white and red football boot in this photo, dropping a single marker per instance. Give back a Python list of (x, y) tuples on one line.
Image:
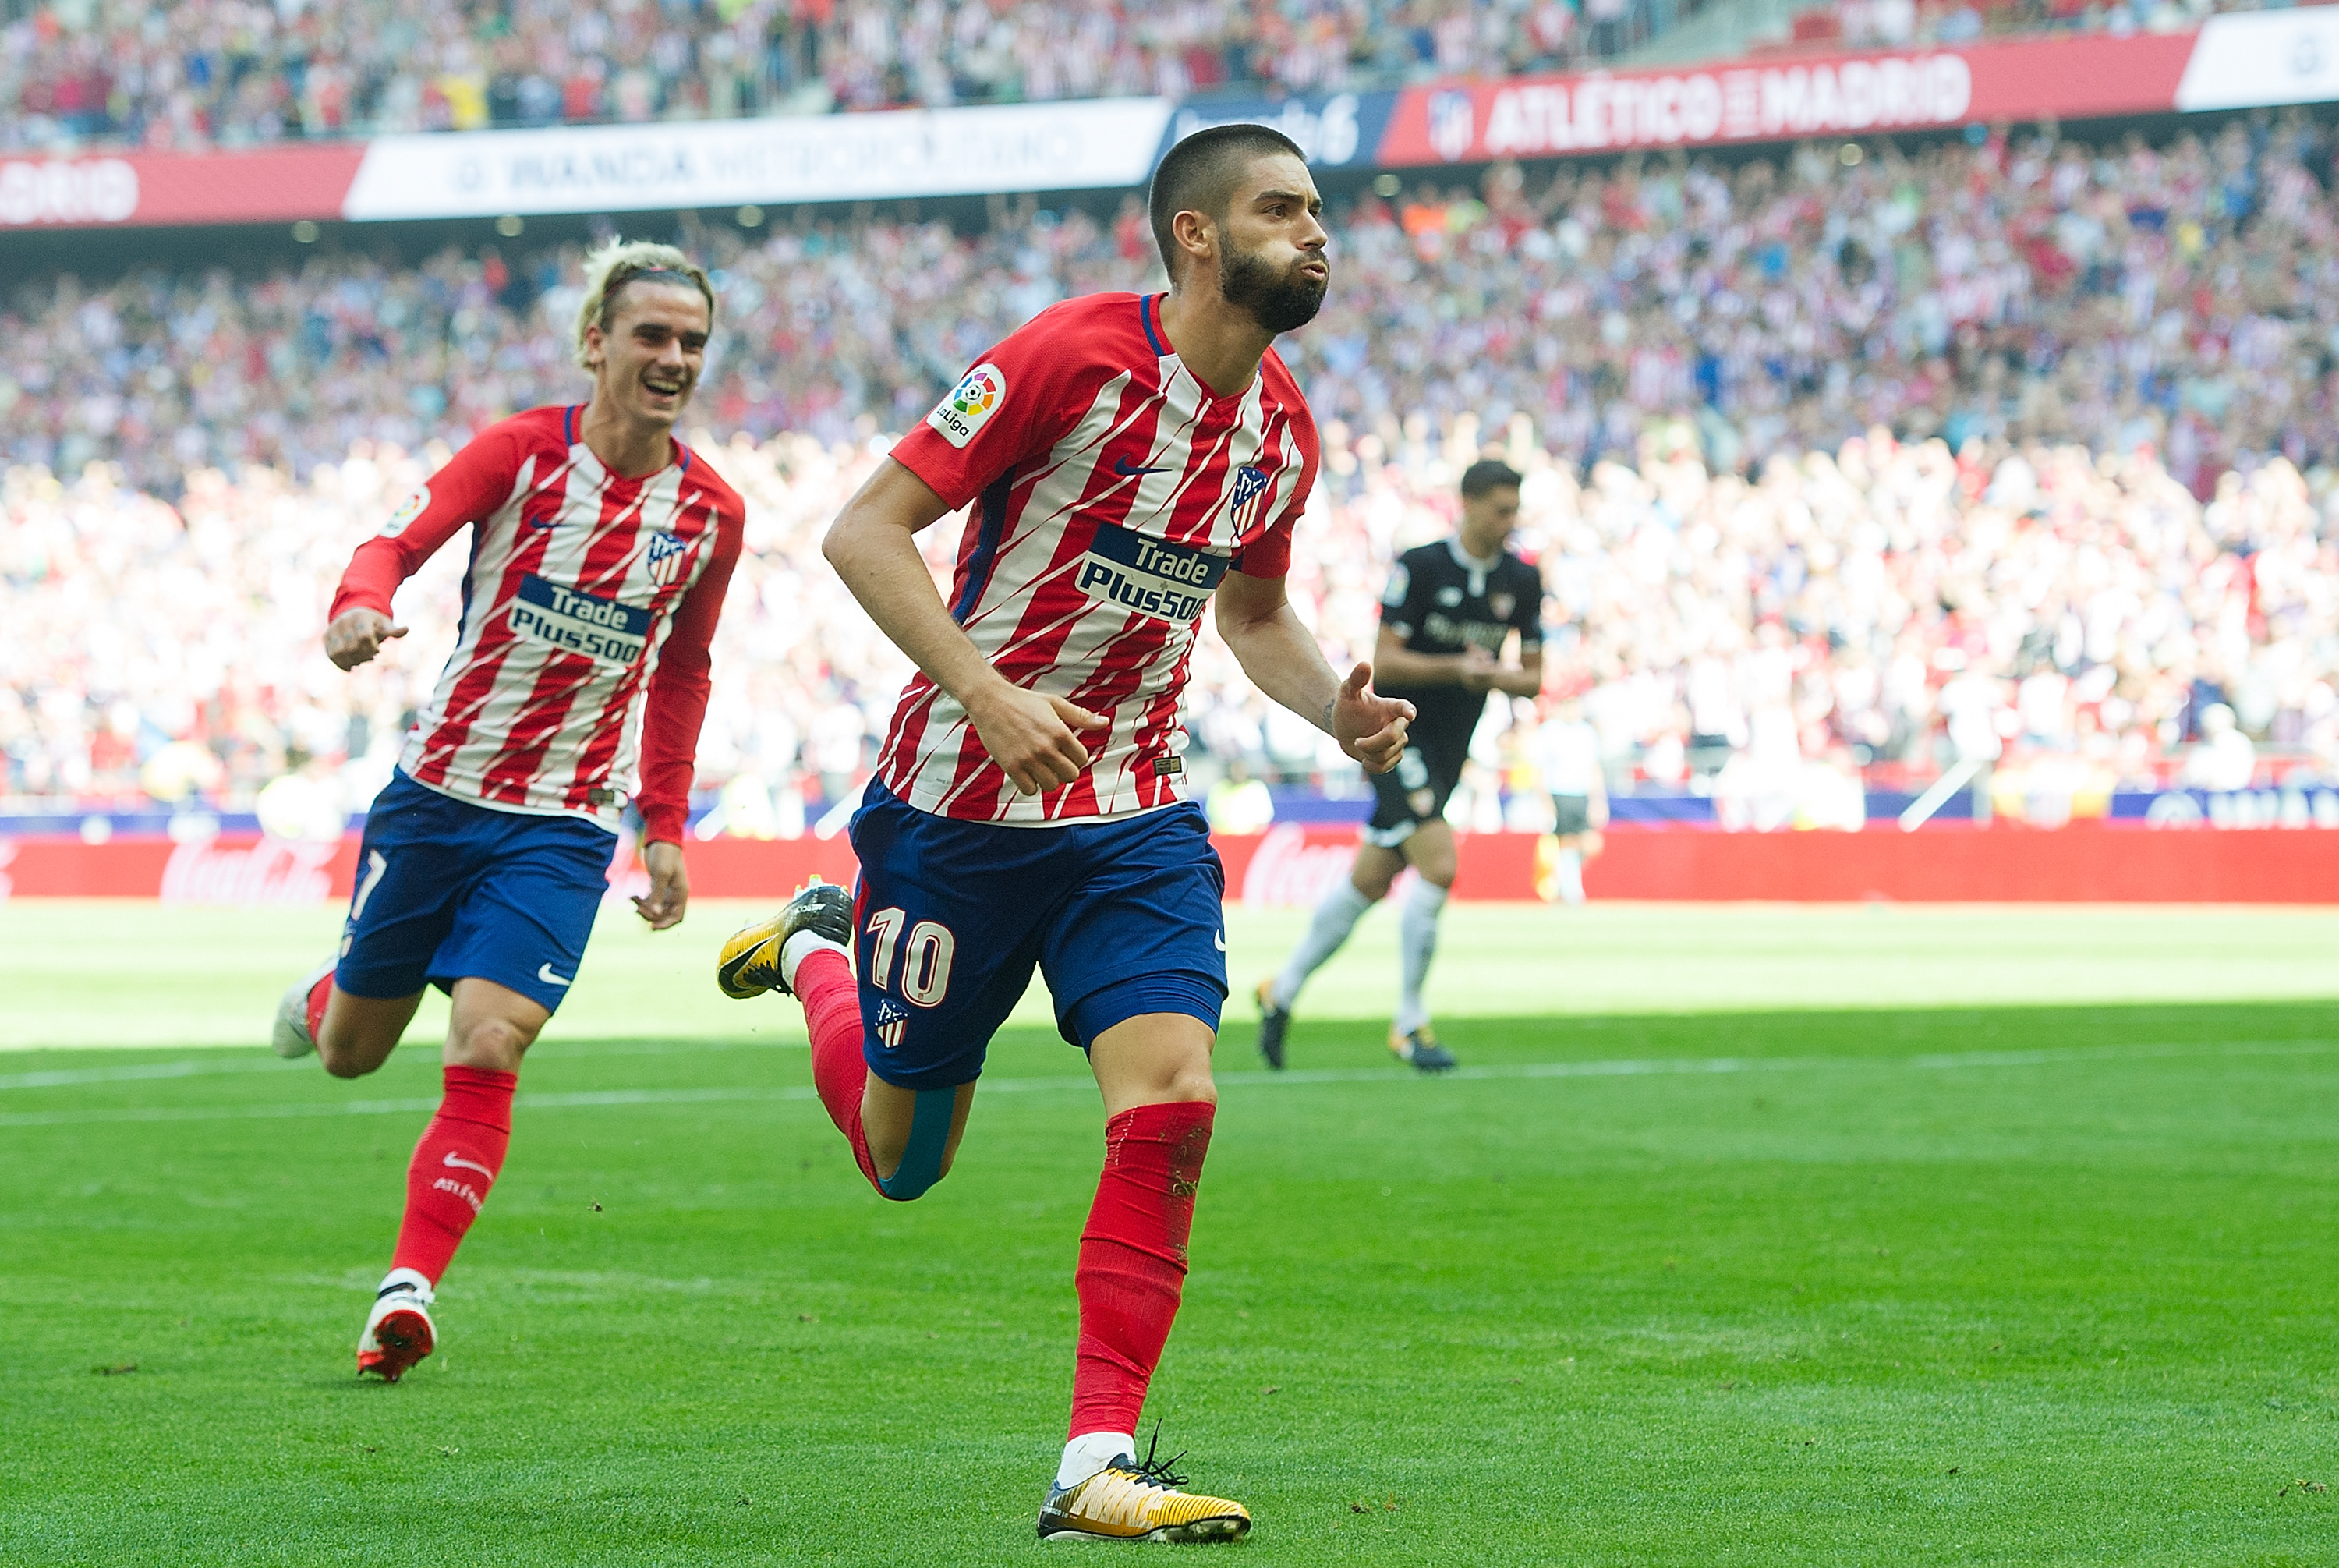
[(397, 1331)]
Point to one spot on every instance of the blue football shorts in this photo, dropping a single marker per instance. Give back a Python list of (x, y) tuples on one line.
[(448, 890), (1122, 918)]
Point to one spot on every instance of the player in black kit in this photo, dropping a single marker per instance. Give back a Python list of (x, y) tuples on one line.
[(1449, 610)]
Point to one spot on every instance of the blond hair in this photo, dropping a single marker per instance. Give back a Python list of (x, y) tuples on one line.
[(610, 266)]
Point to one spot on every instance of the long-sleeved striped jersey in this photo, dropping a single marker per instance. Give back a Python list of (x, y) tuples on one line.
[(588, 607)]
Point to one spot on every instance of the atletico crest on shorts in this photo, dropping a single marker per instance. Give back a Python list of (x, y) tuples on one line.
[(668, 555), (893, 1020)]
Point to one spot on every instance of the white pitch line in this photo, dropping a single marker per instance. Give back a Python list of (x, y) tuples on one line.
[(1652, 1067), (210, 1066), (63, 1077)]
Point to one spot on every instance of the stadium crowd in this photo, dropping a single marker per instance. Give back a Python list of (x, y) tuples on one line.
[(243, 72), (1638, 336), (1892, 24), (2080, 620), (2033, 288)]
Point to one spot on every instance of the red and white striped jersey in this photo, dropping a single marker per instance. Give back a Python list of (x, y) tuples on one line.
[(588, 607), (1116, 490)]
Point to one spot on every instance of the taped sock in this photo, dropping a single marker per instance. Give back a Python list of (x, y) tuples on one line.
[(797, 947), (1090, 1452)]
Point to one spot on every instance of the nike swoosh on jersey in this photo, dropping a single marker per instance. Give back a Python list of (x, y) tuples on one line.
[(544, 972), (1129, 470)]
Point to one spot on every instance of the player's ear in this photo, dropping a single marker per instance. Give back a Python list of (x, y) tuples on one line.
[(1196, 235)]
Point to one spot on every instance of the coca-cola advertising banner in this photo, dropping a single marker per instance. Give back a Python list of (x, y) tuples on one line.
[(1791, 97)]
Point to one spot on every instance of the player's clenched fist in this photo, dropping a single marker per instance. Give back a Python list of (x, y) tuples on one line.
[(1369, 727), (356, 635), (1030, 735)]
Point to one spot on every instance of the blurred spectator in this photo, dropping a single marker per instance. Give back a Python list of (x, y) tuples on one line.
[(2224, 759), (1567, 753)]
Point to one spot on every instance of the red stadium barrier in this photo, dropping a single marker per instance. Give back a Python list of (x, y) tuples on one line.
[(1291, 865), (2082, 864)]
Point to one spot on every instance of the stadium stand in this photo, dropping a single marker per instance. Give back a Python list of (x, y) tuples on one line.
[(235, 73), (1892, 24), (2099, 512), (2178, 295)]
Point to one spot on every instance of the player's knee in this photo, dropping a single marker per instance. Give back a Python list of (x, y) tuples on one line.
[(494, 1043), (1191, 1082), (342, 1062)]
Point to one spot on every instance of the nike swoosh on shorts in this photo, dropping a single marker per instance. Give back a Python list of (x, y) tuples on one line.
[(544, 972)]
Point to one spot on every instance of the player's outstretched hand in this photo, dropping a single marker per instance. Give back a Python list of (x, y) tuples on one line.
[(356, 635), (1032, 736), (669, 891), (1369, 727)]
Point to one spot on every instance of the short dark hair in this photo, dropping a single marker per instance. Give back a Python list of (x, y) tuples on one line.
[(1200, 173), (1489, 474)]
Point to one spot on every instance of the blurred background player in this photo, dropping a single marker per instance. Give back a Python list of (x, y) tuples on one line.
[(1134, 455), (1448, 612), (601, 550), (1566, 750)]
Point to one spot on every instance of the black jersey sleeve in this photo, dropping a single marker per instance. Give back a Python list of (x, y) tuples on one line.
[(1405, 601), (1526, 610)]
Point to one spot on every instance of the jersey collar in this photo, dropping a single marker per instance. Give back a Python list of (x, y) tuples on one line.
[(1469, 562)]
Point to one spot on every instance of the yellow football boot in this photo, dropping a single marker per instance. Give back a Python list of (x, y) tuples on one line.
[(1418, 1049), (1127, 1500), (749, 964)]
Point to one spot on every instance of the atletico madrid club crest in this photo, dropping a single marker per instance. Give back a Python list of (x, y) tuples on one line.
[(668, 556)]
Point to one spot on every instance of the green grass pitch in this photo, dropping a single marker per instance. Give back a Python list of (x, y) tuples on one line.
[(1747, 1236)]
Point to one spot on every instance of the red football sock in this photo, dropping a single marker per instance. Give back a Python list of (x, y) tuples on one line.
[(832, 1004), (454, 1166), (1133, 1258), (318, 995)]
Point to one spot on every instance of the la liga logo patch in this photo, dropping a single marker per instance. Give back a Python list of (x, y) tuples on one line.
[(413, 507), (970, 404)]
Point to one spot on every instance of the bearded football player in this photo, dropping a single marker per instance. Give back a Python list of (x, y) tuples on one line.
[(601, 549), (1133, 461)]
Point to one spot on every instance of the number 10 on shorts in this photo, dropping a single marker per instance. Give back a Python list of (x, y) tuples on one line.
[(924, 956)]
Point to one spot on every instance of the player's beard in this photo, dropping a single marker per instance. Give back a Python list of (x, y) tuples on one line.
[(1281, 301)]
